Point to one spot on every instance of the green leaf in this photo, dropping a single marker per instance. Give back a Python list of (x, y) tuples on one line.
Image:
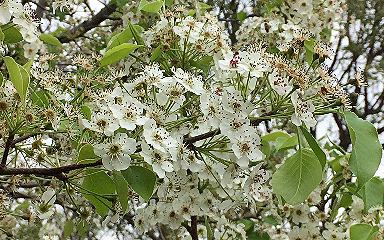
[(118, 53), (136, 34), (150, 7), (257, 236), (346, 200), (39, 98), (241, 16), (315, 147), (19, 76), (1, 79), (373, 194), (265, 148), (86, 111), (210, 235), (97, 181), (367, 150), (309, 45), (82, 226), (11, 35), (157, 53), (68, 228), (283, 143), (1, 35), (122, 37), (121, 3), (48, 38), (141, 180), (274, 135), (27, 66), (308, 56), (298, 176), (248, 224), (168, 3), (86, 155), (362, 232), (271, 220), (122, 189)]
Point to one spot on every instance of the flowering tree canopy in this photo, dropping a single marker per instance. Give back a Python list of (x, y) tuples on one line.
[(162, 124)]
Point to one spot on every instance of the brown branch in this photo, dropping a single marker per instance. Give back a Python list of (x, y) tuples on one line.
[(6, 151), (85, 26), (23, 138), (56, 172)]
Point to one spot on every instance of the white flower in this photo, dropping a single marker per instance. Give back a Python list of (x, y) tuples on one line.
[(235, 62), (101, 122), (278, 83), (245, 147), (129, 112), (190, 82), (233, 103), (253, 185), (115, 155), (300, 213), (5, 14), (158, 137), (46, 207), (303, 110), (160, 161)]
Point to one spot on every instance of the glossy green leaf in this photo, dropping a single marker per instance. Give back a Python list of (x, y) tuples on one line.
[(266, 149), (367, 150), (241, 16), (122, 189), (1, 35), (68, 228), (283, 143), (121, 3), (373, 193), (86, 155), (97, 181), (39, 98), (248, 224), (136, 34), (1, 79), (141, 180), (157, 53), (210, 235), (362, 232), (346, 200), (27, 66), (298, 176), (309, 45), (118, 53), (48, 38), (123, 37), (11, 35), (19, 77), (314, 146), (82, 226), (271, 220), (274, 135), (150, 6), (308, 56), (86, 111), (257, 236)]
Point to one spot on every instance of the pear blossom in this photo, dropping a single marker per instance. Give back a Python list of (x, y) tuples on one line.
[(102, 122), (278, 83), (158, 137), (46, 208), (115, 155), (303, 110), (246, 147)]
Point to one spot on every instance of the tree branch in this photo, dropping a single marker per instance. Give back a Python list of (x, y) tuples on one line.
[(85, 26), (6, 151), (56, 172)]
